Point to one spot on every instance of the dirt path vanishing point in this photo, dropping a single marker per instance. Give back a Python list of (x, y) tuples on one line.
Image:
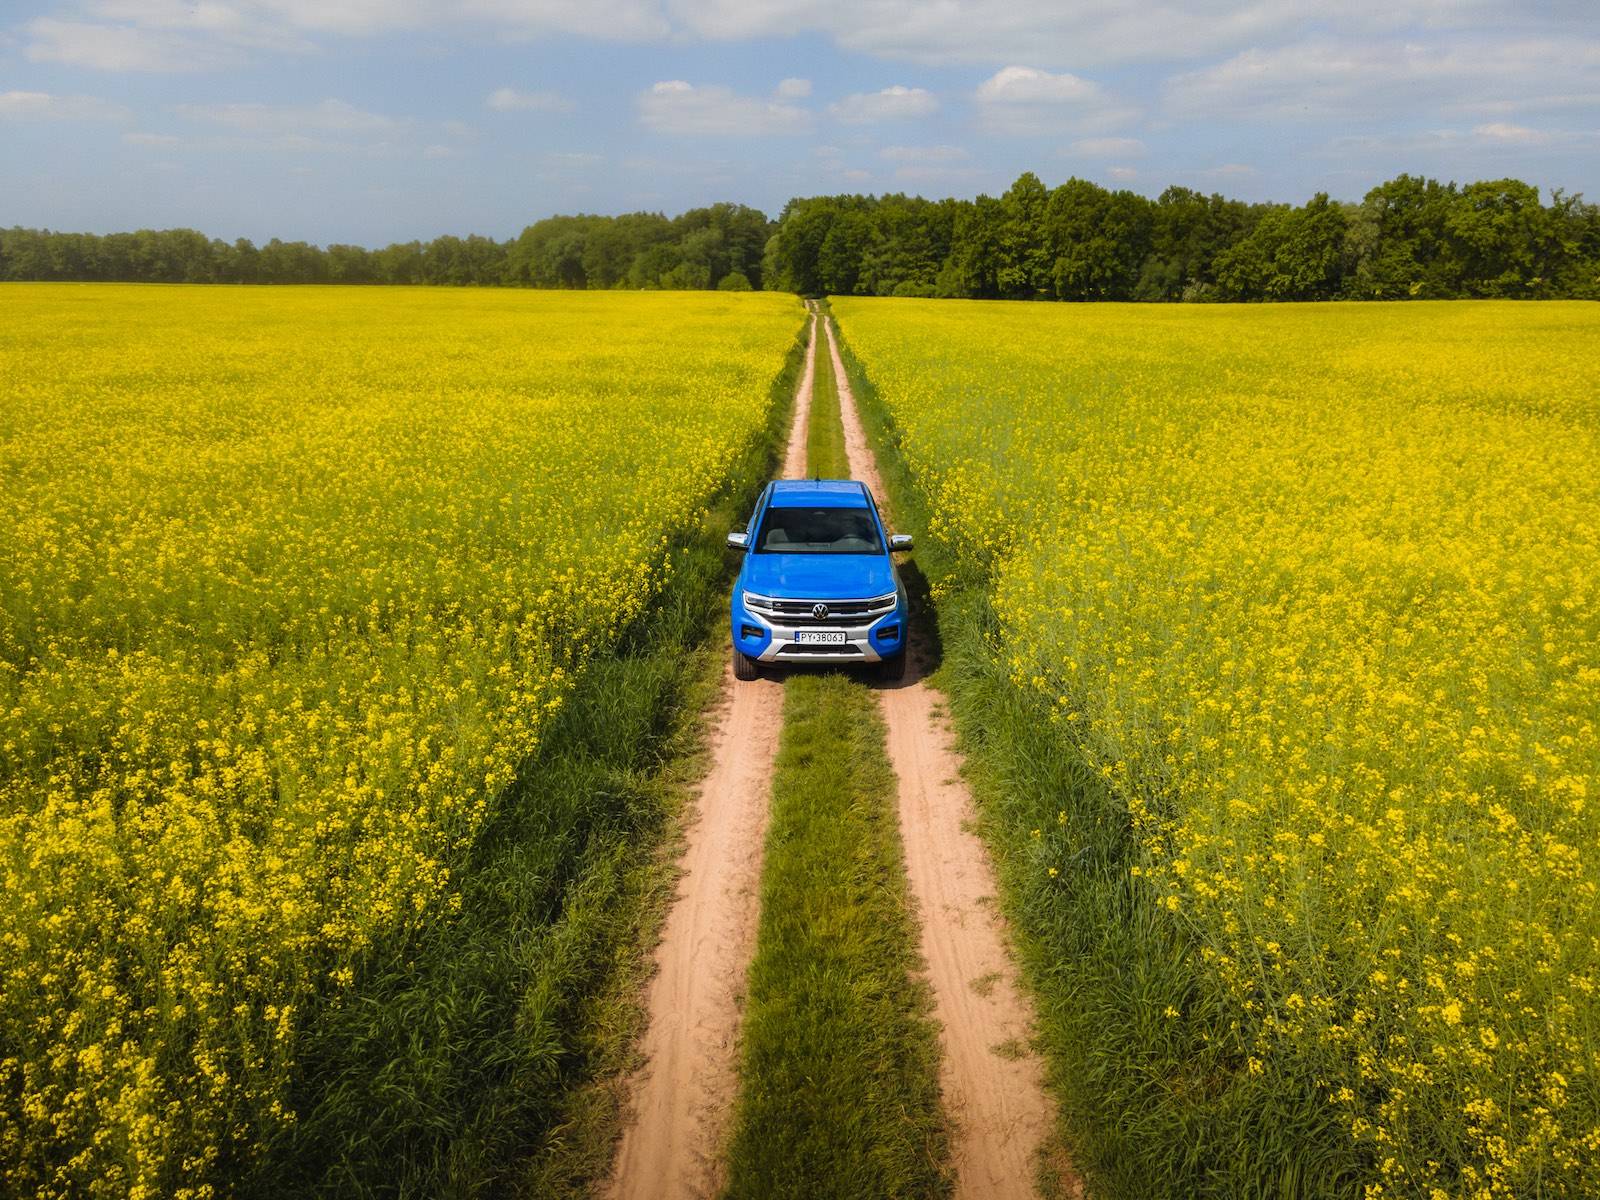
[(684, 1093), (992, 1079)]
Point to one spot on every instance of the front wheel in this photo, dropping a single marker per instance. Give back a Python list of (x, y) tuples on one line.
[(745, 668), (893, 668)]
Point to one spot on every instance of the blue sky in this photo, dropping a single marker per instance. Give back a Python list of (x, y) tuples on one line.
[(381, 120)]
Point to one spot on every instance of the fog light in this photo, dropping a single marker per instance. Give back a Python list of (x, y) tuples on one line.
[(889, 633), (749, 631)]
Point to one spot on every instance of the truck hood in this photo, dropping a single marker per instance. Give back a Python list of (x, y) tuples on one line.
[(819, 576)]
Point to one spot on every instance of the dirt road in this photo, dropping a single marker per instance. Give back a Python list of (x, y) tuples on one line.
[(993, 1082), (684, 1093)]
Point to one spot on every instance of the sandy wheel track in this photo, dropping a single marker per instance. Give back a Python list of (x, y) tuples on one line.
[(993, 1082), (794, 456), (684, 1093)]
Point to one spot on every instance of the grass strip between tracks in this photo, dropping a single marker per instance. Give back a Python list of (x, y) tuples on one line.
[(1151, 1110), (825, 453), (840, 1062), (484, 1056)]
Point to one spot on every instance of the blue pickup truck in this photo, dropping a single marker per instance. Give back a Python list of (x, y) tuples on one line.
[(818, 584)]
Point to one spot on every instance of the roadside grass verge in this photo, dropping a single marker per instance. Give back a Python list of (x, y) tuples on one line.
[(1151, 1107), (484, 1056), (825, 453), (840, 1061)]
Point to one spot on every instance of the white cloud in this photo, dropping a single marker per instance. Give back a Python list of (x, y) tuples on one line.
[(43, 106), (1497, 135), (1050, 31), (1122, 174), (612, 20), (628, 20), (1027, 100), (183, 34), (328, 127), (924, 154), (1487, 151), (575, 160), (1029, 85), (1326, 78), (187, 35), (892, 103), (117, 47), (511, 100), (1365, 144), (152, 139), (1230, 170), (794, 89), (330, 116), (930, 164), (1533, 101), (1520, 135), (1108, 147), (242, 23), (674, 106), (936, 175)]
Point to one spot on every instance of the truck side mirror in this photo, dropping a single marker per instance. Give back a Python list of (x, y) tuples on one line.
[(738, 540), (898, 542)]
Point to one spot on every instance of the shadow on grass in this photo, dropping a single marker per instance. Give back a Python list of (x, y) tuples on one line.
[(926, 648)]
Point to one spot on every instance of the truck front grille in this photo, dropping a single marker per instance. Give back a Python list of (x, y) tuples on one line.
[(803, 612)]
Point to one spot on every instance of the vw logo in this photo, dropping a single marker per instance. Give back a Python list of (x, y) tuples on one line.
[(819, 611)]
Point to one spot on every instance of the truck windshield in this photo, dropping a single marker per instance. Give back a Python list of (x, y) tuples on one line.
[(818, 531)]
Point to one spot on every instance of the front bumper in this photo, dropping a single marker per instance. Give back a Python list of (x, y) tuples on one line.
[(771, 638)]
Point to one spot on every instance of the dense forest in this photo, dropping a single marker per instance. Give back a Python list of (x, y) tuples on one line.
[(1409, 237)]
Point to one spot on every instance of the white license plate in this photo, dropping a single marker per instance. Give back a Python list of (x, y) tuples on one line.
[(824, 637)]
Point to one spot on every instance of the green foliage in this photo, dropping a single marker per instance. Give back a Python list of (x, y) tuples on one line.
[(1152, 1108), (474, 1056), (1023, 271), (641, 250), (638, 250), (839, 1083), (1094, 237), (1410, 238), (1291, 254), (734, 281)]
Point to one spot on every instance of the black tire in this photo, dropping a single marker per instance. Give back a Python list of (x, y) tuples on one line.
[(745, 668), (893, 669)]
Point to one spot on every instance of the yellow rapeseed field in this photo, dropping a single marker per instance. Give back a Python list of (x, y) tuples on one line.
[(290, 581), (1317, 589)]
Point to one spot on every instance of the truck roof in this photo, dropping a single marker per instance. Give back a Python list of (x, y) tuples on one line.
[(823, 493)]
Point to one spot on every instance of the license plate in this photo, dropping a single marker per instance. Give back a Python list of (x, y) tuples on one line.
[(826, 637)]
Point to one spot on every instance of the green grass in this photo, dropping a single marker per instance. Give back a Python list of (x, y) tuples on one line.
[(840, 1094), (825, 456), (1150, 1108), (482, 1057)]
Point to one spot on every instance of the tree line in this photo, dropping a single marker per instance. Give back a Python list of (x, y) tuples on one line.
[(1409, 237), (718, 246)]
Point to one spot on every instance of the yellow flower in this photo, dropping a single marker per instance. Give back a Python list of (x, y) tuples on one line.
[(293, 582), (1319, 582)]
